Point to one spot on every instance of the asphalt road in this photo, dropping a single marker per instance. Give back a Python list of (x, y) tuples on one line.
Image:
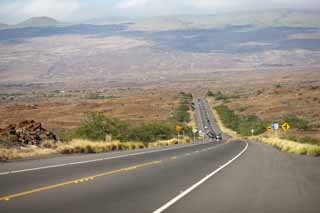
[(200, 177)]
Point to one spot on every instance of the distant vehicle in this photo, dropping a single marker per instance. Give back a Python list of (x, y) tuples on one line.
[(211, 135), (219, 137)]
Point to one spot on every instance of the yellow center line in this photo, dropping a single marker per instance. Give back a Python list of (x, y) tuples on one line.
[(76, 181)]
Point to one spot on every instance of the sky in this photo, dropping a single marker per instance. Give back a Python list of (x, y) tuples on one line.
[(12, 11)]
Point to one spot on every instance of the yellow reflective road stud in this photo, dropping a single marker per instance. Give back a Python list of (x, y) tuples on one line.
[(285, 127)]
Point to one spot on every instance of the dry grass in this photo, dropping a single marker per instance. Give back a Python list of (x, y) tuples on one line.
[(85, 146), (75, 146), (81, 146), (290, 146), (10, 154), (134, 107), (174, 141)]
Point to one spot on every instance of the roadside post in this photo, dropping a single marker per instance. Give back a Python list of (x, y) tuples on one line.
[(178, 129), (194, 134), (252, 132), (275, 128)]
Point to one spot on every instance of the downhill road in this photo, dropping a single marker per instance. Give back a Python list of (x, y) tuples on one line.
[(199, 177)]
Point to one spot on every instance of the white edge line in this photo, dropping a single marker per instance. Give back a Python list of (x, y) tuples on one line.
[(96, 160), (190, 189)]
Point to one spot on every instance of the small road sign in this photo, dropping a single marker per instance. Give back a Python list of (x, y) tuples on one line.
[(252, 131), (179, 128), (275, 126), (285, 127)]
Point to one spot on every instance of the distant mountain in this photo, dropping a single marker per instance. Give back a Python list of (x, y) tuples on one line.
[(39, 22), (110, 20), (3, 26)]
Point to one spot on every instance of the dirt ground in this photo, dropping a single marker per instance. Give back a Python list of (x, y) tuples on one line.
[(133, 107)]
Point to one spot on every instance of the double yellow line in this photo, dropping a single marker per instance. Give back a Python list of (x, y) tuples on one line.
[(76, 181)]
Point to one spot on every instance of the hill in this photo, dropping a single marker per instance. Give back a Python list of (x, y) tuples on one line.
[(39, 22), (267, 18), (3, 26)]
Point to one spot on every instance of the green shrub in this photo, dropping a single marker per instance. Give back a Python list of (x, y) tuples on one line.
[(220, 96), (240, 123), (96, 126), (181, 115), (297, 122), (152, 132), (210, 94)]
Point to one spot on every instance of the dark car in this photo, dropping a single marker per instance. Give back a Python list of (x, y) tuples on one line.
[(219, 137)]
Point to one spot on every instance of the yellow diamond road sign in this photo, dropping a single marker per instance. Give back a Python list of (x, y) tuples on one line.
[(285, 126), (178, 128)]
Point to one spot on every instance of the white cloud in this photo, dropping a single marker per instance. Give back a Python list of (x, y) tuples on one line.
[(198, 6), (72, 10), (131, 3), (53, 8), (60, 9)]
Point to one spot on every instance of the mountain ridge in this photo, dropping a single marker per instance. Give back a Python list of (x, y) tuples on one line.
[(42, 21)]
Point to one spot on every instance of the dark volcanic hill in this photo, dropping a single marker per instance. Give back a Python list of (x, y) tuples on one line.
[(39, 22)]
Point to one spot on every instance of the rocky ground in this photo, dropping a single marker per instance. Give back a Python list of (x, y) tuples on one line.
[(28, 132)]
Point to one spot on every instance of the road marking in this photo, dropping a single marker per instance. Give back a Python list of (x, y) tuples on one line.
[(77, 181), (96, 160), (191, 188)]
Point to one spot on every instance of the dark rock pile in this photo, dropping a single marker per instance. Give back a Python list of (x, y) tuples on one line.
[(27, 132)]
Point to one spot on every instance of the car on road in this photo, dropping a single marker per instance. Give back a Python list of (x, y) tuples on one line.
[(218, 137)]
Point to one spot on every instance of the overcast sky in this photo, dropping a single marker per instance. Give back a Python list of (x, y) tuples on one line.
[(76, 10)]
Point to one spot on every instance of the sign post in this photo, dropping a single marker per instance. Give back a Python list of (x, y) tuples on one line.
[(194, 134), (252, 132), (178, 129)]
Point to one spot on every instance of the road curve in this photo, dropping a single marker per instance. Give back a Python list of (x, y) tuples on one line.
[(262, 180), (140, 183)]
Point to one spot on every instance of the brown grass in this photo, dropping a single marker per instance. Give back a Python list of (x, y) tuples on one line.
[(135, 107), (81, 146)]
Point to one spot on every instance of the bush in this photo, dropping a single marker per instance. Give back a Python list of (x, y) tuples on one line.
[(240, 124), (151, 132), (96, 127), (181, 115), (220, 96), (210, 94), (297, 122)]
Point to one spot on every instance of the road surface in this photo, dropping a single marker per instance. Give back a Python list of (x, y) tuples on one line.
[(200, 177)]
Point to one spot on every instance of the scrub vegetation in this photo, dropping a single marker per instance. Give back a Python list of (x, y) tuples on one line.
[(99, 133), (242, 124), (229, 123)]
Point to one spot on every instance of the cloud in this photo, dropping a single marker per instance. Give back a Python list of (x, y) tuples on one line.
[(59, 9), (73, 10), (198, 6), (131, 3)]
